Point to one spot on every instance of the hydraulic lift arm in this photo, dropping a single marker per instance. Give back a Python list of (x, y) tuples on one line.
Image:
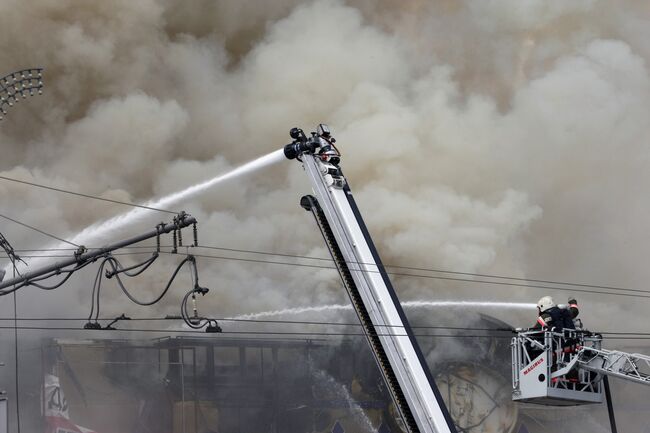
[(391, 339), (634, 367)]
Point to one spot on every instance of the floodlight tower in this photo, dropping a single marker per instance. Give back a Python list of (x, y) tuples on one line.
[(17, 85), (13, 87)]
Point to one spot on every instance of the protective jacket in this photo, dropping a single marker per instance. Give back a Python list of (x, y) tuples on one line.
[(573, 307), (556, 318)]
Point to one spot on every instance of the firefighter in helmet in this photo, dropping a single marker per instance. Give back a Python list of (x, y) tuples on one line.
[(551, 316)]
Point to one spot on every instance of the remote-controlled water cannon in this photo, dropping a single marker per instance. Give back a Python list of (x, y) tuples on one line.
[(321, 143)]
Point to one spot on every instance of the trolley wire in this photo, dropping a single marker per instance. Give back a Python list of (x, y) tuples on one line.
[(498, 277), (39, 230), (402, 274), (271, 334), (434, 277), (502, 277), (636, 294), (94, 197), (275, 322), (59, 256), (256, 333), (298, 322)]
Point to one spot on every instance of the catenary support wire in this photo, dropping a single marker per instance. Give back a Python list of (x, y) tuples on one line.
[(83, 256)]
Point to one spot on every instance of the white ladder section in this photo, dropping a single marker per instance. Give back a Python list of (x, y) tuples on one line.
[(389, 334), (630, 366)]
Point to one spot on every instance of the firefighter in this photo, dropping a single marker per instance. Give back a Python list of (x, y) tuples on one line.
[(573, 309), (551, 316)]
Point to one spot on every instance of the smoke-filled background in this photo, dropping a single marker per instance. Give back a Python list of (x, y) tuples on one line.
[(495, 137)]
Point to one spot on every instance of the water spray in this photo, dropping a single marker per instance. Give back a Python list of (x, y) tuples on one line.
[(342, 391), (406, 304), (96, 232)]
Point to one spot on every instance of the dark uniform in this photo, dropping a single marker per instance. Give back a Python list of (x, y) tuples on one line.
[(556, 318), (573, 308)]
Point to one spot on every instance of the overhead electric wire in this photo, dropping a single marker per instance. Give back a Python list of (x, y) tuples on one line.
[(266, 334), (38, 185), (435, 277), (442, 271), (297, 322), (50, 256), (39, 230), (42, 250), (32, 281), (401, 274), (585, 285), (297, 256), (280, 322)]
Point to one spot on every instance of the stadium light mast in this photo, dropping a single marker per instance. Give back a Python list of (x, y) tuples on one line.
[(19, 85), (13, 87)]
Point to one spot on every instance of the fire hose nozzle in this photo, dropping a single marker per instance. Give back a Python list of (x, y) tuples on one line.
[(322, 139), (301, 144), (295, 149)]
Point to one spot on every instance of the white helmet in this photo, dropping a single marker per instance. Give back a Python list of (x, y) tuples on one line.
[(545, 303)]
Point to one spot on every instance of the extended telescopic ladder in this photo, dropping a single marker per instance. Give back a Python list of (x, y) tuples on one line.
[(629, 366), (392, 342)]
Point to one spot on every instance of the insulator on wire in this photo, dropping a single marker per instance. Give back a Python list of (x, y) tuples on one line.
[(195, 232), (175, 244), (180, 237), (194, 309), (158, 228)]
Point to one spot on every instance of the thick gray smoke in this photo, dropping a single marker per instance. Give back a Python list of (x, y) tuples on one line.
[(505, 137)]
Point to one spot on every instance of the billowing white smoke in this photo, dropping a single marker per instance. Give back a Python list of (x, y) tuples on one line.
[(498, 137)]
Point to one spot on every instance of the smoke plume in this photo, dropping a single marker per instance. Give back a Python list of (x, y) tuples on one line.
[(493, 137)]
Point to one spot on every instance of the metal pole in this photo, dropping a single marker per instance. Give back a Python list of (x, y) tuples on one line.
[(12, 87), (610, 406), (182, 221), (4, 420)]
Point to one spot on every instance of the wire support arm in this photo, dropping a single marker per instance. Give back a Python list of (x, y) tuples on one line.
[(82, 256)]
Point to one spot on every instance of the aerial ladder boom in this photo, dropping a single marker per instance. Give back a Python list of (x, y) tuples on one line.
[(629, 366), (391, 339)]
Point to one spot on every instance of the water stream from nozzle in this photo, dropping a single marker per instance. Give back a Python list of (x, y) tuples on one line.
[(341, 392), (97, 232), (406, 305)]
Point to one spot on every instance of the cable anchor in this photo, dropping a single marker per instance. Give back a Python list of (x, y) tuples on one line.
[(110, 327)]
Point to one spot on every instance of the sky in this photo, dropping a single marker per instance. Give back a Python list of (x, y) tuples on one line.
[(494, 137)]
